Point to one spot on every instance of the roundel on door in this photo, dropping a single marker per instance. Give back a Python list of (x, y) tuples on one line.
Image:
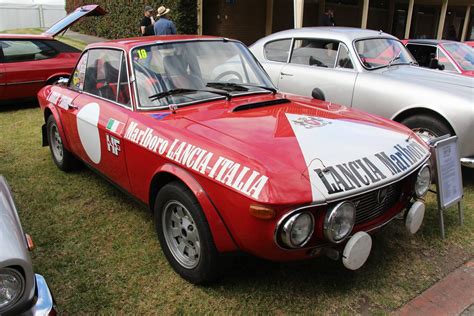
[(87, 127)]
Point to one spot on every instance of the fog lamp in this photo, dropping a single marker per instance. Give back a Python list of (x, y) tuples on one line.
[(423, 181), (297, 230), (339, 221), (12, 285)]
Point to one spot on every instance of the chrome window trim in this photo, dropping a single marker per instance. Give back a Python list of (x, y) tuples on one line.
[(219, 39), (302, 208), (22, 82)]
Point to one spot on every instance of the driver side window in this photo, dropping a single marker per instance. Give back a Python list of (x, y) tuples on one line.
[(102, 73), (315, 52)]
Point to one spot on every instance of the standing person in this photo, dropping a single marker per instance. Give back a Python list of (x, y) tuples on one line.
[(146, 24), (164, 26), (328, 18)]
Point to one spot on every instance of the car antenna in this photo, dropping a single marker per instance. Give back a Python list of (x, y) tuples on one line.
[(173, 108)]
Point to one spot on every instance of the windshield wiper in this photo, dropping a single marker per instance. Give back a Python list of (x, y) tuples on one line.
[(232, 86), (393, 60), (171, 92)]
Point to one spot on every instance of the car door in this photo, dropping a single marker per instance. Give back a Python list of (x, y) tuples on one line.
[(25, 65), (100, 114), (2, 78), (322, 64)]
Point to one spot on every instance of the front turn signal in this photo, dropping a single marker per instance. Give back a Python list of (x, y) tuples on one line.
[(29, 242), (262, 212)]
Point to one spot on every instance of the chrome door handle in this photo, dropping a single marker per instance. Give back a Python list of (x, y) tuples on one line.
[(285, 74), (72, 106)]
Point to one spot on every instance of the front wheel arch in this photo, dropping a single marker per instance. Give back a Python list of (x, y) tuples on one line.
[(400, 117), (168, 173)]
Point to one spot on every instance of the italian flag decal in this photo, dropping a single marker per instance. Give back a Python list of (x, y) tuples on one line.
[(115, 126)]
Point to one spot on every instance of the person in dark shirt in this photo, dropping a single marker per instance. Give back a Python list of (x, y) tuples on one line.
[(328, 18), (164, 26), (147, 22)]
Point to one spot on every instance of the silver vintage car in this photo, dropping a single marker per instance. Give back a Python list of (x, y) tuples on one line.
[(374, 72), (22, 292)]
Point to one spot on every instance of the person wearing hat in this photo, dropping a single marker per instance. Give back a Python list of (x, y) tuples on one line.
[(146, 24), (164, 26)]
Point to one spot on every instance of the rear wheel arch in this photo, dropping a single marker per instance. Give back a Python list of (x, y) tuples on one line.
[(413, 112), (171, 173)]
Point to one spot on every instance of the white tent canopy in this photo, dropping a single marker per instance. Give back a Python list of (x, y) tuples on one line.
[(16, 14)]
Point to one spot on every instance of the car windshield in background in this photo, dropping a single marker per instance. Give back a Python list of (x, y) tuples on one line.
[(381, 52), (462, 54), (193, 70)]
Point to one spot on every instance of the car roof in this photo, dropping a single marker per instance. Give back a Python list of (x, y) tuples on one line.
[(430, 41), (129, 43), (347, 34), (25, 36)]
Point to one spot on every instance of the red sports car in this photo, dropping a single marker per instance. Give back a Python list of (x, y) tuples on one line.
[(193, 127), (470, 43), (450, 56), (29, 62)]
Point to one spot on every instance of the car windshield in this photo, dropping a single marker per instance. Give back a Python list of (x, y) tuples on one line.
[(189, 72), (381, 52), (462, 54)]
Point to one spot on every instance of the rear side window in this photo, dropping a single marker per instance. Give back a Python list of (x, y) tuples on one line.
[(315, 52), (102, 73), (25, 50), (79, 74), (278, 50)]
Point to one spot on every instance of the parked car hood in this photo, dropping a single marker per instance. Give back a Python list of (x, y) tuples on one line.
[(300, 144), (436, 78)]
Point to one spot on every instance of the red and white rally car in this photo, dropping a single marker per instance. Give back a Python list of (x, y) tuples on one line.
[(224, 161)]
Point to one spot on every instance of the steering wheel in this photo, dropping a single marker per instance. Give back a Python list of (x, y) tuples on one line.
[(229, 73)]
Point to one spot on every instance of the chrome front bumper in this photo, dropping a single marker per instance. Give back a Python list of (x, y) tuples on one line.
[(44, 299), (467, 162)]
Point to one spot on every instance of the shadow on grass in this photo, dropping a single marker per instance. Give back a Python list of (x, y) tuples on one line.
[(10, 107)]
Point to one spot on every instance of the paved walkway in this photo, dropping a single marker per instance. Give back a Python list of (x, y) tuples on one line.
[(88, 39), (453, 295)]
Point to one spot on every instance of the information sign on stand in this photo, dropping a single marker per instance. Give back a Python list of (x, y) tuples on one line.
[(449, 189)]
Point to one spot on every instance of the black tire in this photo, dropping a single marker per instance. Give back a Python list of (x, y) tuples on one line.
[(207, 267), (428, 125), (61, 156)]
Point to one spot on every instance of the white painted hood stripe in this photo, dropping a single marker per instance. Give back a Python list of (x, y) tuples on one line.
[(345, 158)]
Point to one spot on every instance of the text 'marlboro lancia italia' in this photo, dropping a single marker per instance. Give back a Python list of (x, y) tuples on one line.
[(224, 161)]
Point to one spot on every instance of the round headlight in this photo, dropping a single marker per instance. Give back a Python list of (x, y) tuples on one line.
[(297, 230), (339, 221), (423, 181), (12, 285)]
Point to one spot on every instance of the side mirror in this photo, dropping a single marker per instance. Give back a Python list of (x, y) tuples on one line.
[(434, 64), (63, 81), (318, 94)]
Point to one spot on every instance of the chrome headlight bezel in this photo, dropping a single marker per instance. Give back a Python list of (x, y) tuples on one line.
[(331, 216), (425, 190), (18, 277), (289, 224)]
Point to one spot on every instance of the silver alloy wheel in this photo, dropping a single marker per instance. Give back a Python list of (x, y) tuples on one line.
[(425, 134), (181, 234), (56, 143)]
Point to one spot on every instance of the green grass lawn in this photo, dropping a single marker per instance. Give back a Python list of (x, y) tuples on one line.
[(99, 253), (68, 40)]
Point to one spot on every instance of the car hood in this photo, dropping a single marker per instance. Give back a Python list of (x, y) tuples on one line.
[(73, 17), (315, 149), (435, 78)]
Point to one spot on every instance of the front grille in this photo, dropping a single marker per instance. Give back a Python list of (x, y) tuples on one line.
[(368, 206)]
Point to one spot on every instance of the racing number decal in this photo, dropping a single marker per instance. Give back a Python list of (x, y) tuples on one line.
[(142, 54)]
